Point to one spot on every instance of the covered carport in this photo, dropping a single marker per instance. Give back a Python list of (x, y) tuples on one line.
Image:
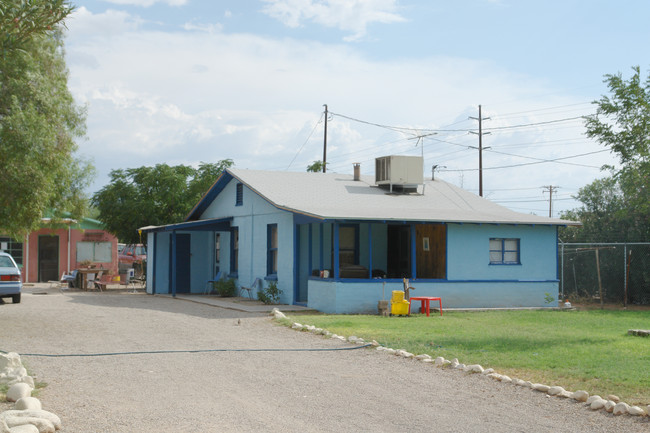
[(181, 257)]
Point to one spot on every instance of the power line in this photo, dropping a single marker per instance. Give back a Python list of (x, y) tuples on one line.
[(531, 163), (541, 159), (303, 144)]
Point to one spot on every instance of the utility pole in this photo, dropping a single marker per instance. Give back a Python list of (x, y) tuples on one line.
[(550, 189), (325, 142), (480, 149)]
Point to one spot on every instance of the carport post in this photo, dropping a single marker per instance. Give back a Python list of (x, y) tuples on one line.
[(173, 267)]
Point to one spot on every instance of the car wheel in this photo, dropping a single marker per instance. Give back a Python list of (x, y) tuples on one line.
[(15, 298)]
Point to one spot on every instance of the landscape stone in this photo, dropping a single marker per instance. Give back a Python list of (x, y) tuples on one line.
[(43, 425), (541, 388), (460, 367), (488, 371), (33, 414), (592, 398), (613, 398), (18, 391), (580, 395), (428, 360), (636, 411), (565, 394), (555, 390), (506, 379), (278, 314), (609, 406), (439, 361), (621, 408), (475, 368), (25, 428), (374, 343), (27, 403), (422, 357), (598, 404)]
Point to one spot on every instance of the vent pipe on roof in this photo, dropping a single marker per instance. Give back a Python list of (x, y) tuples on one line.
[(357, 170)]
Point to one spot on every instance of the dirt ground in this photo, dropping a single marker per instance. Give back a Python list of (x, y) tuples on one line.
[(239, 372)]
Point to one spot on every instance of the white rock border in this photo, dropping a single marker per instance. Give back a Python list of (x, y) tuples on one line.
[(27, 415), (612, 404)]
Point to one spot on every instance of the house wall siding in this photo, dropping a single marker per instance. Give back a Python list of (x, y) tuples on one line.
[(252, 218), (468, 252)]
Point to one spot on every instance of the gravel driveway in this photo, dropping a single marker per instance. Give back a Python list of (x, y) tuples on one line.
[(239, 391)]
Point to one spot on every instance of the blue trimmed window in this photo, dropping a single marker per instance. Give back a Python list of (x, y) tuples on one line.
[(234, 251), (504, 251), (272, 250), (348, 245), (239, 196)]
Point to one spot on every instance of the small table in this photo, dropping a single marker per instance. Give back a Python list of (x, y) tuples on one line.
[(425, 300), (84, 275)]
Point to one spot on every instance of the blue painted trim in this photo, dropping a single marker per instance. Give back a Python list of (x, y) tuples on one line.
[(336, 249), (311, 247), (234, 270), (557, 267), (446, 250), (425, 280), (209, 196), (321, 229), (217, 224), (370, 250), (239, 194), (173, 267), (296, 261), (153, 270), (414, 274), (270, 249)]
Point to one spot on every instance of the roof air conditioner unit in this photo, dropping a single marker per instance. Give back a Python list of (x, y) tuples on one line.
[(405, 172)]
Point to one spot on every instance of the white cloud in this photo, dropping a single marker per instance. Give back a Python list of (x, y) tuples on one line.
[(348, 15), (147, 3), (83, 24), (193, 96)]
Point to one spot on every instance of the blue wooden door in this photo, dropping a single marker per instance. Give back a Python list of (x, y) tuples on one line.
[(183, 260)]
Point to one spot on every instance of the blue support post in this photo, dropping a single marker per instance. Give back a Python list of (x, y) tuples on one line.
[(370, 250), (413, 253), (336, 250), (321, 228), (173, 267)]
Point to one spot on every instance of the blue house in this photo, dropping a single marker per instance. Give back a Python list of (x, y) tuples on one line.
[(339, 243)]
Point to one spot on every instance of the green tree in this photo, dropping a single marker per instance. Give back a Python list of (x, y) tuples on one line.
[(617, 208), (622, 120), (39, 120), (316, 167), (163, 194)]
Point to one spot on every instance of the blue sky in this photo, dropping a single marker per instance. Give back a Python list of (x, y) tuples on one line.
[(185, 81)]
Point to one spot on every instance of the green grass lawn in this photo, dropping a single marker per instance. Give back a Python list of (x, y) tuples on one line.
[(587, 350)]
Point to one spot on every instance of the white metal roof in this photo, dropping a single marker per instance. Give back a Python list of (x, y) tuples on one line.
[(339, 196)]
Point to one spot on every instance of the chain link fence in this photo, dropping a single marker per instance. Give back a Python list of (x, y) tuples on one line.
[(605, 272)]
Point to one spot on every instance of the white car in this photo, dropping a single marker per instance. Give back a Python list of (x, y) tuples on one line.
[(10, 282)]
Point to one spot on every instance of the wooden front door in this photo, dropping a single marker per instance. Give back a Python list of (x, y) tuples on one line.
[(431, 251)]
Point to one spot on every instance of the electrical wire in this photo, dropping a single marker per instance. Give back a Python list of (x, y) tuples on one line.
[(529, 163), (159, 352), (303, 144)]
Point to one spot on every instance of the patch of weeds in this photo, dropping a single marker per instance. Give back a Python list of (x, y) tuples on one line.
[(270, 295), (225, 288)]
